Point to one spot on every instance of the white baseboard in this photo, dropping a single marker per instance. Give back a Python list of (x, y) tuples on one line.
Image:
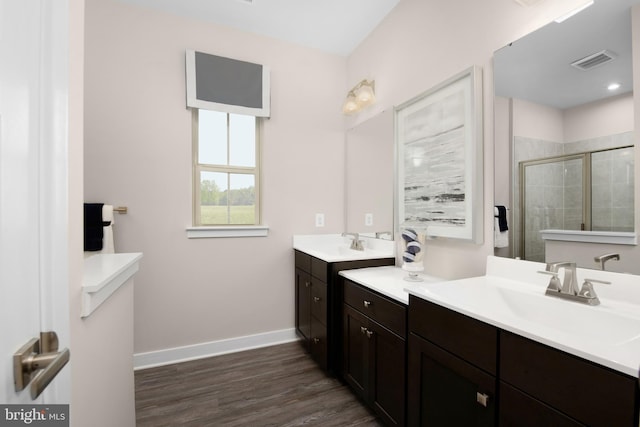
[(214, 348)]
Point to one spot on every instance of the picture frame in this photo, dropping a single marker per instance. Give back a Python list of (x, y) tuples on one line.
[(439, 160)]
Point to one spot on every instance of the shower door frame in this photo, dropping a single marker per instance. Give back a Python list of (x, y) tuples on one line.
[(586, 190)]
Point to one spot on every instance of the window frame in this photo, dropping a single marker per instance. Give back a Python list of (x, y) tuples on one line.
[(203, 167)]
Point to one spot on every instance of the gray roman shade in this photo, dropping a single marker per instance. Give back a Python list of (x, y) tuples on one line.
[(227, 85)]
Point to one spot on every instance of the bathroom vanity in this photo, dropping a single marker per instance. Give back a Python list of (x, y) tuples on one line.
[(493, 350), (374, 350), (318, 291), (375, 339)]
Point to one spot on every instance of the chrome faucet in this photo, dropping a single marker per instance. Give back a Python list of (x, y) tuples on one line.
[(383, 234), (569, 283), (602, 259), (356, 243), (568, 288)]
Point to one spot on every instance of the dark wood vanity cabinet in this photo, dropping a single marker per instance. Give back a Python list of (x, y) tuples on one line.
[(311, 307), (462, 371), (452, 363), (563, 387), (318, 309), (374, 351)]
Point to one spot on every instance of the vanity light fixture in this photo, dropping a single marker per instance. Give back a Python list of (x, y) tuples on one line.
[(574, 12), (613, 86), (362, 95)]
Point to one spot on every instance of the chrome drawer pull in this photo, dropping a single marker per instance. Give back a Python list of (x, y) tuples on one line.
[(482, 399), (317, 299), (316, 340), (369, 334), (367, 303), (307, 284), (363, 329)]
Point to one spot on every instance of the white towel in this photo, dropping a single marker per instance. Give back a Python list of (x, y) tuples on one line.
[(500, 239), (107, 240)]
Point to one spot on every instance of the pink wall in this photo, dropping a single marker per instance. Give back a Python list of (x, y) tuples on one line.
[(422, 43), (537, 121), (138, 150), (138, 154), (586, 122)]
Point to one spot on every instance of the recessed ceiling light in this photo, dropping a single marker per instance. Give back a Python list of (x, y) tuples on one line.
[(614, 86)]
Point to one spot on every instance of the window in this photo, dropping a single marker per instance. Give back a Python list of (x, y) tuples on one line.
[(226, 168)]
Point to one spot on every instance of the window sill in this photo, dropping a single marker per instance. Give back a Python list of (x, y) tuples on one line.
[(227, 231)]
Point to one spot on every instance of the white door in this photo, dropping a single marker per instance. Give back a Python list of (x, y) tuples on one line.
[(33, 186)]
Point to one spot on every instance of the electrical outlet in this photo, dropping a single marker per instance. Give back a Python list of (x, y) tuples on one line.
[(319, 220), (368, 219)]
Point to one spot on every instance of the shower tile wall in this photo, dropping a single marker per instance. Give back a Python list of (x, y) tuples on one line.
[(612, 172), (612, 189)]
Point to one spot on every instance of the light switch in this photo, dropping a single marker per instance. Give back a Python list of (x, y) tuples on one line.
[(319, 220)]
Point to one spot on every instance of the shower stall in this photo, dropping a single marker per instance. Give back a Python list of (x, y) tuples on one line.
[(584, 191)]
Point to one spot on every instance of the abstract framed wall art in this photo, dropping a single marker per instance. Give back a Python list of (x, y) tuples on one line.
[(439, 160)]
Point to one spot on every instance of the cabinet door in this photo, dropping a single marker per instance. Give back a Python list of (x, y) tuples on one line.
[(387, 391), (303, 307), (355, 352), (444, 390)]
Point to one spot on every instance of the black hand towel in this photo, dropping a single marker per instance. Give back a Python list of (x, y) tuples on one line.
[(93, 231), (502, 218)]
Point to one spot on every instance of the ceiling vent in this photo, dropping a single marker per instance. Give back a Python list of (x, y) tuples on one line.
[(594, 60)]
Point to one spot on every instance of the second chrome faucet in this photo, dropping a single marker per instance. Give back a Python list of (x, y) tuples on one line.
[(356, 243), (568, 287)]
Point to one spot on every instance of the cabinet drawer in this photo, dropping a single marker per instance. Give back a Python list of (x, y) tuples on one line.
[(319, 300), (319, 269), (303, 261), (388, 313), (470, 339), (585, 391)]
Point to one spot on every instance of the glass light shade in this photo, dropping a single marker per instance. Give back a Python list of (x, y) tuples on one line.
[(350, 105), (365, 95)]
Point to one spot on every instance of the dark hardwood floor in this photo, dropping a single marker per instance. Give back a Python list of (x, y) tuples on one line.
[(272, 386)]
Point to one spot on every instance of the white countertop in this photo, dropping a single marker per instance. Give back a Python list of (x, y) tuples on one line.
[(389, 281), (335, 247), (103, 275), (511, 297)]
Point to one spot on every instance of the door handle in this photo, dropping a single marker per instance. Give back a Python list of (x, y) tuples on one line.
[(38, 362)]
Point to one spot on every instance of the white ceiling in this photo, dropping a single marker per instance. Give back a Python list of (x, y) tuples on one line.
[(537, 67), (335, 26)]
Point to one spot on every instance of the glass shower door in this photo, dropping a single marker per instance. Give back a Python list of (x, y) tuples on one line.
[(552, 196)]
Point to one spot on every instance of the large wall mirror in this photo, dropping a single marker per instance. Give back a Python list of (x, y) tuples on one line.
[(564, 155), (370, 176)]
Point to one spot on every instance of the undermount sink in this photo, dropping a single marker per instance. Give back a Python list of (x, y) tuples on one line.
[(335, 248), (512, 297), (592, 323)]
